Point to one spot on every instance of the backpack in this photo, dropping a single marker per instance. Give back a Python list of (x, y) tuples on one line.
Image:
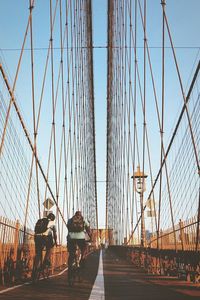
[(76, 224), (41, 225)]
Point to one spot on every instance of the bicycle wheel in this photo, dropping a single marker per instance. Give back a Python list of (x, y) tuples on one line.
[(79, 273), (71, 276), (36, 269), (46, 272), (35, 275)]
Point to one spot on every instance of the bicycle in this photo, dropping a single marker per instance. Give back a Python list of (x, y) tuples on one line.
[(42, 268), (74, 267)]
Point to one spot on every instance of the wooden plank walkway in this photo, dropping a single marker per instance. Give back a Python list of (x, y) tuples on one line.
[(123, 281), (56, 288), (120, 279)]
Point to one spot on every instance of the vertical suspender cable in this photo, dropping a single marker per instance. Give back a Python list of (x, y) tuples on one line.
[(34, 127), (53, 101), (33, 107), (143, 238), (162, 123), (135, 144)]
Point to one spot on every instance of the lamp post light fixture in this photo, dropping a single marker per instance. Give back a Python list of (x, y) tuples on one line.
[(140, 187)]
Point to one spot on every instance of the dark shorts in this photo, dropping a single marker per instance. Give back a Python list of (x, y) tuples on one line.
[(43, 242), (72, 243)]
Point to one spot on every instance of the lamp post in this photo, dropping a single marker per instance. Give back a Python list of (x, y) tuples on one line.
[(140, 187)]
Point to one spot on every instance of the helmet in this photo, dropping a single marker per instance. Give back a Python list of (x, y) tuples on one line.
[(51, 216)]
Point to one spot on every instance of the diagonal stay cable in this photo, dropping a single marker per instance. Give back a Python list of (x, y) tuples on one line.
[(28, 137)]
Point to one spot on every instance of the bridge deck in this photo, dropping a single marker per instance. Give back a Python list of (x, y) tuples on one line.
[(121, 281)]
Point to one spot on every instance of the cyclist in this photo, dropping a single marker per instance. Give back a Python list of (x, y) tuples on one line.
[(45, 240), (77, 229)]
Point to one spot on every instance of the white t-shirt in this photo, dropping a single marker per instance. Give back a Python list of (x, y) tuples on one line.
[(50, 228), (78, 235)]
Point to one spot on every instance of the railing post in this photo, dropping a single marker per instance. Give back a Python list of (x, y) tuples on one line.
[(182, 236), (54, 254), (161, 239), (16, 240)]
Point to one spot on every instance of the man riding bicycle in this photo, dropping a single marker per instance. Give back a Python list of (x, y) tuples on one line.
[(77, 229), (45, 238)]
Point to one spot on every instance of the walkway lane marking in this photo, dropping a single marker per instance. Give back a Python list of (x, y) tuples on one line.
[(27, 283), (98, 290)]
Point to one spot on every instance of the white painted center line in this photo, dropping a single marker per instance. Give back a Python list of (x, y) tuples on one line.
[(98, 291)]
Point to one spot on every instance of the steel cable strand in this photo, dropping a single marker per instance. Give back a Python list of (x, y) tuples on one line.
[(9, 150), (16, 76), (12, 135)]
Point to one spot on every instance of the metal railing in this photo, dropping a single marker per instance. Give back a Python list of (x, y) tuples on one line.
[(17, 253)]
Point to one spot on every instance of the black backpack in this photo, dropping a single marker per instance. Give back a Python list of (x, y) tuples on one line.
[(76, 224), (41, 225)]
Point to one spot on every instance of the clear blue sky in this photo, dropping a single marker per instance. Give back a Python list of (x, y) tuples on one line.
[(184, 21), (100, 71)]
